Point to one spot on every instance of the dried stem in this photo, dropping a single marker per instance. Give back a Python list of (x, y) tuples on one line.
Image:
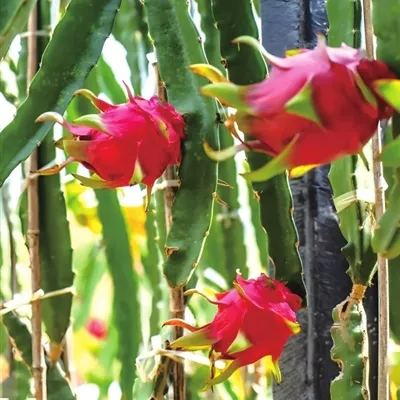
[(38, 366), (161, 380), (383, 281)]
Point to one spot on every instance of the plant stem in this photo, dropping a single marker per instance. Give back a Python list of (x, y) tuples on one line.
[(176, 299), (383, 281), (177, 310), (38, 367)]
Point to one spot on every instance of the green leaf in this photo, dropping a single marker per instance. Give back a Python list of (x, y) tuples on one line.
[(126, 305), (14, 16), (73, 50)]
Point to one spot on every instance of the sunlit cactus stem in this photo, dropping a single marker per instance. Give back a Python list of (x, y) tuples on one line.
[(174, 33)]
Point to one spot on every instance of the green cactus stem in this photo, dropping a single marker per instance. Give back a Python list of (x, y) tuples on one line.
[(346, 18), (350, 351), (349, 178), (173, 32), (228, 192), (245, 66), (54, 239)]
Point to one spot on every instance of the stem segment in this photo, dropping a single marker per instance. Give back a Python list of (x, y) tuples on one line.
[(383, 281), (176, 299), (38, 367)]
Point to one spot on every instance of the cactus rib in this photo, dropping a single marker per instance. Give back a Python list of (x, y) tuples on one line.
[(173, 32)]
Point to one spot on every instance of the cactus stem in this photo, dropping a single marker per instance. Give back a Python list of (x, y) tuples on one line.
[(176, 296)]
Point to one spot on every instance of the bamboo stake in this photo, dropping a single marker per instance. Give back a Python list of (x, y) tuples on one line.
[(38, 365), (383, 280)]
